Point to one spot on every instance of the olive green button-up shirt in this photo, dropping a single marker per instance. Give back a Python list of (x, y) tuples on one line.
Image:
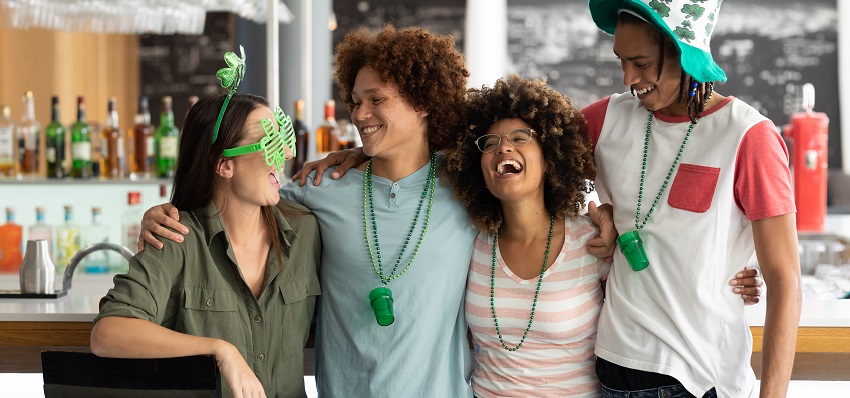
[(195, 287)]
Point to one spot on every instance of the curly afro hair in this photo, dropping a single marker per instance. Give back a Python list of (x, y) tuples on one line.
[(427, 68), (561, 129)]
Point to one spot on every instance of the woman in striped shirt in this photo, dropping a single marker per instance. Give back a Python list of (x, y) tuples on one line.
[(534, 292)]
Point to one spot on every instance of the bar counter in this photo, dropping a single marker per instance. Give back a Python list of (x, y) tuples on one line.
[(28, 326)]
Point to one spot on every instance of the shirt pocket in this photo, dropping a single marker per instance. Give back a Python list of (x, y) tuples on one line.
[(299, 288), (299, 303), (693, 188), (210, 312)]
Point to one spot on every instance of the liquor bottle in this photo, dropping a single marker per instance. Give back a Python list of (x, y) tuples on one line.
[(7, 143), (302, 137), (28, 140), (348, 135), (11, 236), (97, 148), (129, 149), (112, 144), (131, 221), (100, 261), (68, 240), (54, 134), (327, 135), (81, 150), (41, 230), (166, 141), (143, 137)]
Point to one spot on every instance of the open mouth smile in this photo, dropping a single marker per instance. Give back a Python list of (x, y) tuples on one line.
[(508, 167)]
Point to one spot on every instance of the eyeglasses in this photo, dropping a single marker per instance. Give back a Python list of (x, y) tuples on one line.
[(489, 142)]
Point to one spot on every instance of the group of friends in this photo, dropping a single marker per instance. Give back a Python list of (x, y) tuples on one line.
[(477, 200)]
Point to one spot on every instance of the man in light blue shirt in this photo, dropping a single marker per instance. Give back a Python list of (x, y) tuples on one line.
[(425, 352)]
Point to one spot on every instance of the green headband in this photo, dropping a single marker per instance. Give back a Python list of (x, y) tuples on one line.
[(230, 78), (274, 143)]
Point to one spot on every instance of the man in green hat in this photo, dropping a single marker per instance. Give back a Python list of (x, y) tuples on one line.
[(698, 181)]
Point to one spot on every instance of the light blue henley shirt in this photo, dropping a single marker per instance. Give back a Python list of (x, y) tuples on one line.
[(425, 352)]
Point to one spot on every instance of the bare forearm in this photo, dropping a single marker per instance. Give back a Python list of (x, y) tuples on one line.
[(780, 338), (120, 337), (776, 248)]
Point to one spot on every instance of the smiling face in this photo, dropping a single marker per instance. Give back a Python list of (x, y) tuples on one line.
[(388, 124), (637, 46), (514, 172), (252, 180)]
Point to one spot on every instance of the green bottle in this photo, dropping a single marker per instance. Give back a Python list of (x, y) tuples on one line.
[(166, 141), (55, 140), (81, 143)]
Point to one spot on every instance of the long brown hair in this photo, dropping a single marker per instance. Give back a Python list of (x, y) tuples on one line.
[(195, 179)]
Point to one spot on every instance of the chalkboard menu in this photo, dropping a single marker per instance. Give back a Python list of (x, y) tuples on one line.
[(185, 65), (768, 48)]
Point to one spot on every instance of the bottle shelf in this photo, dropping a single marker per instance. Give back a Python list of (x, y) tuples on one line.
[(83, 194)]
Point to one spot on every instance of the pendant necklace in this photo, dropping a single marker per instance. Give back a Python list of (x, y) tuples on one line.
[(380, 298), (536, 292), (630, 242)]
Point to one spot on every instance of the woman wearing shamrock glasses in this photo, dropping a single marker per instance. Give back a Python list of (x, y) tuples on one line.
[(243, 285)]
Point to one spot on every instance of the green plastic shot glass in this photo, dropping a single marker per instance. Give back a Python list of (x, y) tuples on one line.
[(632, 248), (381, 300)]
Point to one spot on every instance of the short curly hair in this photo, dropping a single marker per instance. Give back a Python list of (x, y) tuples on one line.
[(427, 68), (561, 129)]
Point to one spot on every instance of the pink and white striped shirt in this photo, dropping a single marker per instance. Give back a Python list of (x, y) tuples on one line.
[(556, 359)]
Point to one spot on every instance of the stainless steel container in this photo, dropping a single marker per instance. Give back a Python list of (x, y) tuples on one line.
[(37, 270)]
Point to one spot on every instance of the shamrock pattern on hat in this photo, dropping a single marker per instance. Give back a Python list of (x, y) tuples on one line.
[(684, 20)]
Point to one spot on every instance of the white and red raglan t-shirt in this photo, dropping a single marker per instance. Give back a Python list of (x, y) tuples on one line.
[(678, 316)]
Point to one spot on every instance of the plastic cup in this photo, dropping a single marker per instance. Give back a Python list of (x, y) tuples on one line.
[(381, 300), (632, 248)]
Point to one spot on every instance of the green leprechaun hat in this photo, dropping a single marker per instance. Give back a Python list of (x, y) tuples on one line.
[(688, 23)]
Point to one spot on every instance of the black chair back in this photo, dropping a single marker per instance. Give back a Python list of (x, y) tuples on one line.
[(79, 374)]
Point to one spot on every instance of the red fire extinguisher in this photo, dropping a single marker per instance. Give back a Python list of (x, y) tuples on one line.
[(808, 130)]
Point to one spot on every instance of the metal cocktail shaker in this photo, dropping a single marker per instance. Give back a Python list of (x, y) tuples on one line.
[(37, 270)]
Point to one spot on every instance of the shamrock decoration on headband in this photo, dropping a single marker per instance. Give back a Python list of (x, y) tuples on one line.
[(230, 78), (275, 142)]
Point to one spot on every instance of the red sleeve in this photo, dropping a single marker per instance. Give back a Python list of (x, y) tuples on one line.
[(595, 115), (762, 178)]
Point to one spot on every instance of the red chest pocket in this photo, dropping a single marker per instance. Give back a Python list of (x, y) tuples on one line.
[(693, 187)]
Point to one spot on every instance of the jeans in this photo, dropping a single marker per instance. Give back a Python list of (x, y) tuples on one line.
[(674, 391)]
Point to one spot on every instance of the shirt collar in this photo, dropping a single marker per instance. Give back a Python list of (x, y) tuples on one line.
[(211, 221)]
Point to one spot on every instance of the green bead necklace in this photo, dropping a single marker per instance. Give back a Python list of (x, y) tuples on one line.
[(536, 292), (669, 172), (639, 225), (369, 209), (630, 243)]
